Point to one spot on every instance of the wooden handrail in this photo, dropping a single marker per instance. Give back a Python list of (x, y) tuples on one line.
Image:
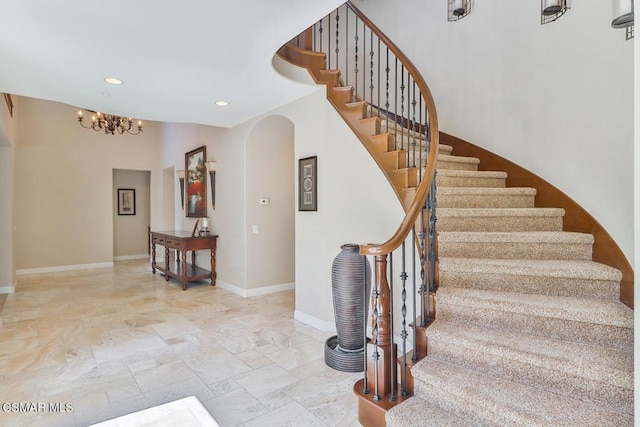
[(423, 189)]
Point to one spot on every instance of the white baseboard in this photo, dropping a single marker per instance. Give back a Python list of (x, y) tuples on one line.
[(130, 257), (229, 287), (270, 289), (314, 322), (9, 289), (265, 290), (55, 269)]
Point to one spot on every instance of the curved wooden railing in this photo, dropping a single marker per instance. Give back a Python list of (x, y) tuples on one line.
[(366, 72)]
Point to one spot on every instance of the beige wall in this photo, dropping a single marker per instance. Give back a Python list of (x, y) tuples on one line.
[(227, 220), (7, 260), (7, 195), (270, 174), (130, 237), (64, 185)]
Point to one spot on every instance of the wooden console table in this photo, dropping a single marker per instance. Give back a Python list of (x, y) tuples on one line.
[(182, 242)]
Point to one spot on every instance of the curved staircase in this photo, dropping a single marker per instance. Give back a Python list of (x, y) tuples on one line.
[(528, 330)]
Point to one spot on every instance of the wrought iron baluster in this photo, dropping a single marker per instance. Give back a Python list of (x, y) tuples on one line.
[(346, 47), (413, 128), (364, 63), (395, 108), (371, 86), (394, 361), (374, 336), (365, 388), (402, 87), (356, 38), (337, 50), (320, 31), (403, 276), (424, 288), (414, 356), (386, 93), (378, 98), (329, 42), (422, 150), (432, 236)]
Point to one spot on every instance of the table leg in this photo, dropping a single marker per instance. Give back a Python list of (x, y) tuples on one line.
[(214, 275), (184, 271), (153, 258), (166, 262)]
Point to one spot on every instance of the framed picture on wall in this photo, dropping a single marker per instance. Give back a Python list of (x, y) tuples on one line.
[(308, 184), (195, 183), (126, 201)]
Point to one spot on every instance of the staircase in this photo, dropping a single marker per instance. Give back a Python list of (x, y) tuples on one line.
[(528, 329)]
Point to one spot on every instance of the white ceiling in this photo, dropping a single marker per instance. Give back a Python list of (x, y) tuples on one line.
[(175, 58)]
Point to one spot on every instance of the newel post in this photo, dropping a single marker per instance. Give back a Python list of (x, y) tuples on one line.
[(381, 349)]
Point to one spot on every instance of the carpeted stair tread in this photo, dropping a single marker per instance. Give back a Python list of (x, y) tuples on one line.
[(486, 191), (580, 320), (550, 245), (457, 163), (491, 212), (485, 197), (445, 149), (500, 220), (484, 400), (593, 311), (416, 412), (471, 174), (560, 237), (462, 178), (573, 278), (583, 269), (591, 373)]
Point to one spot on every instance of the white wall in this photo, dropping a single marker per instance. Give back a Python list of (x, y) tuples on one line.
[(356, 204), (270, 174), (130, 237), (556, 99), (64, 185), (7, 195)]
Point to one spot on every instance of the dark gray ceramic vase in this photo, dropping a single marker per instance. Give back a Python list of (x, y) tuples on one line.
[(350, 282)]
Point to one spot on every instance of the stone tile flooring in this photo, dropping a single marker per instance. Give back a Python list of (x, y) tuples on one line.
[(112, 341)]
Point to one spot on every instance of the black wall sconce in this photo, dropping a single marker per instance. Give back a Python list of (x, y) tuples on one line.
[(550, 10), (623, 16), (180, 175), (212, 166), (458, 9)]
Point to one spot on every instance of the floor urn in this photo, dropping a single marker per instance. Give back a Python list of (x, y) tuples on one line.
[(350, 285)]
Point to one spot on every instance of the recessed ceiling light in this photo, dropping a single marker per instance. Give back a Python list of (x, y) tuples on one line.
[(113, 81), (222, 103)]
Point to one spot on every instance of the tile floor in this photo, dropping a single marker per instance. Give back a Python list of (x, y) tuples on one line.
[(116, 340)]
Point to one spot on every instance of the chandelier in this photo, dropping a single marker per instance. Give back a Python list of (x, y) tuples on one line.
[(110, 124)]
